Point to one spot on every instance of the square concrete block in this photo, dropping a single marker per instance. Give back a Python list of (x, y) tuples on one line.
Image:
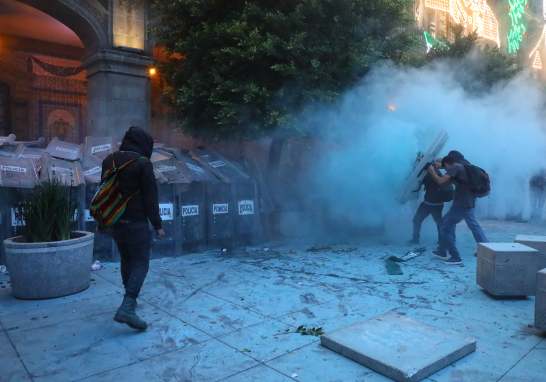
[(540, 301), (507, 269), (536, 242), (400, 348)]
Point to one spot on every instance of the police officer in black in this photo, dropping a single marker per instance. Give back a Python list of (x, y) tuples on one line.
[(435, 196)]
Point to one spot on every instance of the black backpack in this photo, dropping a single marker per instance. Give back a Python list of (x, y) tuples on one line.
[(445, 193), (478, 180)]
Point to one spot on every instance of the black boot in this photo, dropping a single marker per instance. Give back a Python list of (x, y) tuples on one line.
[(126, 314)]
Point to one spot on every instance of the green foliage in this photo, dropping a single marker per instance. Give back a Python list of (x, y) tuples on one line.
[(477, 69), (309, 332), (48, 212), (240, 69)]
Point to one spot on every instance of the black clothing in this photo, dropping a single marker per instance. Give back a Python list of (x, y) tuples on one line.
[(134, 241), (457, 157), (433, 195), (433, 191), (463, 197), (422, 213), (537, 203), (139, 175)]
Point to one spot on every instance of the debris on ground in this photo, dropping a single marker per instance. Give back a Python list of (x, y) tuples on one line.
[(344, 250), (96, 266), (323, 248), (309, 332), (394, 269)]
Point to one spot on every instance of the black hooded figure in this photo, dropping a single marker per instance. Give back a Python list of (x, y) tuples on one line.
[(457, 157), (131, 232)]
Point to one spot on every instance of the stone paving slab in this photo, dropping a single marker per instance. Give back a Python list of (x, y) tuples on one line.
[(536, 242), (165, 333), (267, 340), (398, 347), (11, 366), (208, 361), (532, 368), (259, 374), (493, 342), (315, 363), (68, 351), (326, 288), (131, 373)]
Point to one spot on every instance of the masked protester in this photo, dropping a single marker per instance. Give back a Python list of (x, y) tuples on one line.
[(435, 196), (131, 232), (464, 203), (537, 191)]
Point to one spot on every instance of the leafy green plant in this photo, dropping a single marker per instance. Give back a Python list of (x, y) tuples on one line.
[(47, 212), (241, 69)]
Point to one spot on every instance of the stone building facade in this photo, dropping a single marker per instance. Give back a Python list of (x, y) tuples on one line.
[(94, 79)]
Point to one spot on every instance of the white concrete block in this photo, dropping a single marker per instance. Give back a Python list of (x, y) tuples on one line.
[(538, 243), (507, 269), (400, 348)]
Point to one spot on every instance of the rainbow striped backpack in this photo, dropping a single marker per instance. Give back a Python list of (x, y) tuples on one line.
[(108, 204)]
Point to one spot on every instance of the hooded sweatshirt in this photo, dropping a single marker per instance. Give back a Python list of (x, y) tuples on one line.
[(457, 157), (139, 175)]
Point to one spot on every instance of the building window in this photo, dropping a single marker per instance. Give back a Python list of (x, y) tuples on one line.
[(5, 126)]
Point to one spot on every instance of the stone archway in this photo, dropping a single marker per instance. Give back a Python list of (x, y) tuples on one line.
[(118, 84), (88, 22)]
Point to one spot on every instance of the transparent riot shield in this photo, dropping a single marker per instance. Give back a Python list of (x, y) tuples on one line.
[(16, 176), (64, 150), (412, 183), (91, 168), (100, 147), (220, 166), (18, 172), (170, 171), (9, 140)]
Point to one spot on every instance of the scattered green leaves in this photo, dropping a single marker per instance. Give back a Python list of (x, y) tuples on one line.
[(309, 332)]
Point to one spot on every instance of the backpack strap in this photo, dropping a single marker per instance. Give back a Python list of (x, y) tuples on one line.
[(121, 168)]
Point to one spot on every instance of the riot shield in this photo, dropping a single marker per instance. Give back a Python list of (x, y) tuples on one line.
[(407, 192)]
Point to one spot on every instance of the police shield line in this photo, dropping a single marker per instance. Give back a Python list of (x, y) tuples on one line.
[(205, 201)]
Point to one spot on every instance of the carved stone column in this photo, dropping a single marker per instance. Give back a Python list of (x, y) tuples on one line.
[(118, 91)]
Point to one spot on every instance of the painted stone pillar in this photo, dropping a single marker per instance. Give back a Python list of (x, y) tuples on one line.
[(118, 91)]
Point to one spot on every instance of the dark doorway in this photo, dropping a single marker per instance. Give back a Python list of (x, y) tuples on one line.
[(5, 122)]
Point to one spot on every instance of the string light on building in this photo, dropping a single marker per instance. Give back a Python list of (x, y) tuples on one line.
[(518, 31), (431, 41), (476, 13), (537, 64)]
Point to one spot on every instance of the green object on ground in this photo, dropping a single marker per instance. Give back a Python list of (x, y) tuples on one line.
[(394, 269), (310, 332)]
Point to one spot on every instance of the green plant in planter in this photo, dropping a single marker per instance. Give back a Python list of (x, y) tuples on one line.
[(48, 212)]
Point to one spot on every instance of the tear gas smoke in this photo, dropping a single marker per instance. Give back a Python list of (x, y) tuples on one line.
[(501, 131)]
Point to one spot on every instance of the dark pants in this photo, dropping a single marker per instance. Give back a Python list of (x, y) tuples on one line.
[(537, 203), (422, 213), (447, 230), (134, 241)]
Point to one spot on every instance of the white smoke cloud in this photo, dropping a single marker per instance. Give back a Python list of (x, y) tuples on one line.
[(501, 131)]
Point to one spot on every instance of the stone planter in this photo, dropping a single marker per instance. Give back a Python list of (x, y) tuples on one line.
[(49, 270)]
